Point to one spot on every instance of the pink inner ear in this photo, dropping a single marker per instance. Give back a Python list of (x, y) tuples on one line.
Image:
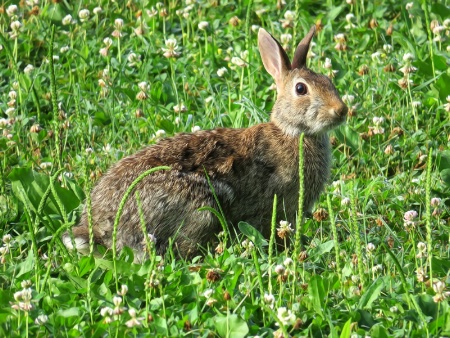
[(274, 57)]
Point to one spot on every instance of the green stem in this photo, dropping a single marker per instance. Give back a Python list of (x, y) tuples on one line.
[(428, 213), (54, 98), (272, 240)]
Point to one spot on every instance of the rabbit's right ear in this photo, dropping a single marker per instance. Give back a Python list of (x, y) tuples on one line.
[(273, 56)]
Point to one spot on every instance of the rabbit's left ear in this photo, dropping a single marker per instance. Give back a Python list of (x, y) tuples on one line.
[(302, 50), (273, 56)]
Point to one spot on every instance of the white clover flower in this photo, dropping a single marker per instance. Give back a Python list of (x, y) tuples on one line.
[(3, 122), (244, 55), (349, 17), (97, 10), (370, 247), (377, 268), (15, 25), (446, 23), (123, 290), (388, 48), (141, 96), (134, 321), (288, 261), (67, 20), (64, 49), (289, 15), (118, 23), (421, 246), (438, 29), (133, 58), (45, 165), (107, 148), (83, 14), (144, 86), (345, 201), (195, 129), (340, 37), (12, 94), (378, 120), (247, 244), (7, 238), (117, 300), (435, 202), (285, 38), (410, 215), (408, 57), (179, 108), (347, 98), (171, 47), (41, 319), (255, 28), (439, 287), (152, 12), (202, 25), (285, 316), (279, 269), (104, 51), (285, 229), (409, 5), (10, 111), (327, 63), (11, 10), (238, 61), (376, 56), (28, 69), (108, 42), (221, 71), (208, 293), (269, 299), (407, 69), (106, 311), (160, 133)]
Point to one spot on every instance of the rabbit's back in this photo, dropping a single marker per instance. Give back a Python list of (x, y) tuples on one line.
[(246, 167)]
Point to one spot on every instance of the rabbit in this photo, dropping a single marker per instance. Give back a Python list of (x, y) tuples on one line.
[(246, 167)]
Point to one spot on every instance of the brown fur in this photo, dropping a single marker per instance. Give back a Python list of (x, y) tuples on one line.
[(245, 166)]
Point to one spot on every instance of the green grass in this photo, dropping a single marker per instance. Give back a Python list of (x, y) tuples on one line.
[(65, 122)]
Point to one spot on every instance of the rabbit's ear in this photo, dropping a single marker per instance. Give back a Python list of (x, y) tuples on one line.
[(302, 50), (273, 56)]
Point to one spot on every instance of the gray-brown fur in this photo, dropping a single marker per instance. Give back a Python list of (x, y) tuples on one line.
[(245, 166)]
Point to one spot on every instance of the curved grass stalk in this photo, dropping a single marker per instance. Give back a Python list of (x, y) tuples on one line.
[(120, 211)]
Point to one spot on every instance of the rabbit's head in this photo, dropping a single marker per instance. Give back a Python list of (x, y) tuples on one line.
[(306, 102)]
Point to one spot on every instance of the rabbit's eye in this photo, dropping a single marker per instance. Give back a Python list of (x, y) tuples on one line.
[(301, 88)]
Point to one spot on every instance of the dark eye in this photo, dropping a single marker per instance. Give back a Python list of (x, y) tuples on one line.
[(301, 88)]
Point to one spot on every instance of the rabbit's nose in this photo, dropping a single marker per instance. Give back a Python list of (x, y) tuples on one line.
[(341, 110)]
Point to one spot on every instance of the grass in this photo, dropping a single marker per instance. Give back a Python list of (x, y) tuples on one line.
[(380, 267)]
